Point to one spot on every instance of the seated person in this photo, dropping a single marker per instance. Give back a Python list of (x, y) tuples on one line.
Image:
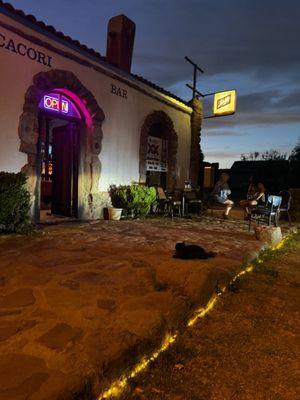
[(221, 192), (251, 189), (258, 198)]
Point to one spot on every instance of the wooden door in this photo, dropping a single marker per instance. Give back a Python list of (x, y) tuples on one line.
[(64, 171)]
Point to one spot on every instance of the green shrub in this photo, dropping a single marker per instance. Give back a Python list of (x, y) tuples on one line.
[(14, 203), (135, 200)]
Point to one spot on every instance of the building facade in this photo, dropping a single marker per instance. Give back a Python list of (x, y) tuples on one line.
[(76, 122)]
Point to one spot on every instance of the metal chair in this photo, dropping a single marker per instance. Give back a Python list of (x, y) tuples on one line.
[(175, 203), (212, 205), (286, 203), (161, 204), (191, 202), (167, 204), (268, 213)]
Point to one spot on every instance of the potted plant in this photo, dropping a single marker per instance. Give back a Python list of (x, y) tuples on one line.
[(118, 201), (134, 200)]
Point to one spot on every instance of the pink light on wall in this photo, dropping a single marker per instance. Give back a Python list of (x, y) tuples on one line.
[(64, 102), (81, 105)]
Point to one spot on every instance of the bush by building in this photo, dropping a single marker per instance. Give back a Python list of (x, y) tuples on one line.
[(14, 203)]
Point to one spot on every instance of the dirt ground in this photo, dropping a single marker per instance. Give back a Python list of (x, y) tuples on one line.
[(247, 348)]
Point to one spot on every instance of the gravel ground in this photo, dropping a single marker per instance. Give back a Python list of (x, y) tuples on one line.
[(247, 348)]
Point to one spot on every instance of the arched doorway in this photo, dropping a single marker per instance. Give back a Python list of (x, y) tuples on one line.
[(59, 148), (158, 151), (57, 102)]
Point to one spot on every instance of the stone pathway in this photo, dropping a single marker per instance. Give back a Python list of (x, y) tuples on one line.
[(80, 301)]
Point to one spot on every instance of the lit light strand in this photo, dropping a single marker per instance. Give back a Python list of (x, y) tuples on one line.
[(118, 386), (204, 310)]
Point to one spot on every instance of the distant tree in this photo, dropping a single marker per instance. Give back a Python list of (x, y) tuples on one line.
[(268, 155), (295, 154), (294, 160)]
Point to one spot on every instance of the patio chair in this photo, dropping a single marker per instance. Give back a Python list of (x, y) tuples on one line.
[(161, 204), (167, 204), (268, 213), (175, 203), (192, 202), (212, 205), (286, 203)]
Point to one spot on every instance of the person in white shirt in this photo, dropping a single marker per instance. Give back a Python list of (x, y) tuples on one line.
[(221, 192)]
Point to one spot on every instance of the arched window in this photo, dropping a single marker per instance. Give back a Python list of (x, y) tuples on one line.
[(56, 104)]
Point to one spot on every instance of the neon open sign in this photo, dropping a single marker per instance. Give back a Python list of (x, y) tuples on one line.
[(58, 103)]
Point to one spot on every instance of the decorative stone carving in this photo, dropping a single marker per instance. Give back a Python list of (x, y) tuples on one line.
[(170, 134), (90, 134), (28, 133), (95, 172), (96, 139)]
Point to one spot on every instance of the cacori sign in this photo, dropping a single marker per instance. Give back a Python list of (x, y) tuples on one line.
[(224, 102), (25, 51)]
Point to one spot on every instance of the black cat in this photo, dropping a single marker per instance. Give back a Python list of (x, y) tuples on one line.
[(191, 251)]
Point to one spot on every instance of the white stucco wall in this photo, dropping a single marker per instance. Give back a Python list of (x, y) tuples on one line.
[(123, 117)]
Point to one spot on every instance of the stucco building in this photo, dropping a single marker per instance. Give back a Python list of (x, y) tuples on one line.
[(76, 122)]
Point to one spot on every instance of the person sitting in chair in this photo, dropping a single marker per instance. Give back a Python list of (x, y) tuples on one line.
[(258, 198), (221, 192)]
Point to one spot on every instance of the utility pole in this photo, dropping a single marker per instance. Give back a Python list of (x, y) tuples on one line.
[(196, 156), (196, 68)]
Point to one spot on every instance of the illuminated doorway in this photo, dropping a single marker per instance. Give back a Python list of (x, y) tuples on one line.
[(59, 127)]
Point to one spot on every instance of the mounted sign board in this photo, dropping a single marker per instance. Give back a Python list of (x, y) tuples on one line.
[(157, 154), (224, 103)]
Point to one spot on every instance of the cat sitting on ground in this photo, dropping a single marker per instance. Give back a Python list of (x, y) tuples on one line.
[(187, 251)]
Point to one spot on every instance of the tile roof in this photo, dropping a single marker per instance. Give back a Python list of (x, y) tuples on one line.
[(160, 89), (60, 35)]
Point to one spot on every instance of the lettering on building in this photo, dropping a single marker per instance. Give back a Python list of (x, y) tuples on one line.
[(23, 50), (118, 91)]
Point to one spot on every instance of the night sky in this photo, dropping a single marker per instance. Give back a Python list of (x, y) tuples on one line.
[(250, 45)]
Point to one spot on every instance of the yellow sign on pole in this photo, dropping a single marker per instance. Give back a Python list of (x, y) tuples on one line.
[(224, 102)]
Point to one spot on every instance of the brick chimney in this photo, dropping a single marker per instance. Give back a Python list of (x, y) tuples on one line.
[(120, 41)]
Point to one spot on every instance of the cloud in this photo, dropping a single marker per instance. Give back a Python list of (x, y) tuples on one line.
[(239, 36), (257, 101), (216, 155), (253, 119), (289, 101), (220, 132)]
